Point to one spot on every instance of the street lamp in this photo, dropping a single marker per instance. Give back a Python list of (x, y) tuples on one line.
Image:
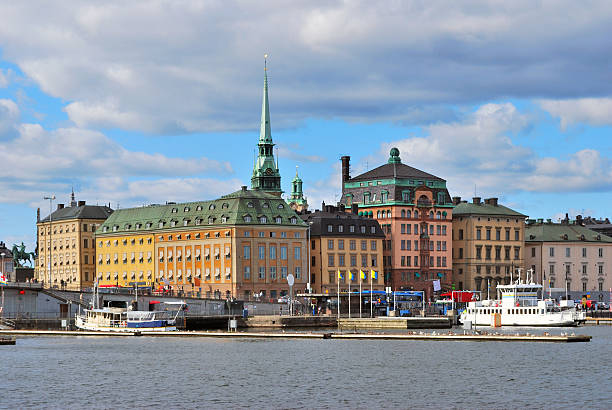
[(2, 270), (50, 199)]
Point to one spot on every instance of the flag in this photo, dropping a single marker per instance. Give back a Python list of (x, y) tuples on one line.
[(2, 279), (363, 274), (352, 276), (374, 275), (340, 275)]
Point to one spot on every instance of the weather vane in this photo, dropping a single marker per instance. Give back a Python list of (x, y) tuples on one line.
[(266, 62)]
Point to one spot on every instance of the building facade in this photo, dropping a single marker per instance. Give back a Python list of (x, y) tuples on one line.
[(66, 252), (415, 212), (6, 263), (242, 244), (488, 244), (570, 256), (345, 242)]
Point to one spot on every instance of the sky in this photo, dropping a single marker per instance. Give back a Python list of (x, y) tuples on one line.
[(140, 102)]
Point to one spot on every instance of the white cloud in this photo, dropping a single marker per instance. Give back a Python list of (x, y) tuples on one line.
[(479, 152), (292, 151), (4, 81), (196, 66), (591, 111), (9, 117)]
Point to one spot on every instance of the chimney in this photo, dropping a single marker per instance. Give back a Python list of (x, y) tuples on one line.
[(81, 203), (341, 207), (323, 206), (354, 209), (579, 220), (37, 214), (476, 200), (491, 201), (345, 168), (456, 200), (60, 206), (243, 188)]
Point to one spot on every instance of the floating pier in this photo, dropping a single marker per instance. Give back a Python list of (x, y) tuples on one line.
[(7, 341), (396, 323), (449, 336), (598, 321)]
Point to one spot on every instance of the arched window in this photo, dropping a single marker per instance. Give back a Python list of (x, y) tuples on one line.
[(431, 214), (416, 213), (403, 213), (438, 215), (378, 215), (409, 214), (388, 214)]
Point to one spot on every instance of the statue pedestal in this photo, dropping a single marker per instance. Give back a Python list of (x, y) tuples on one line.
[(22, 274)]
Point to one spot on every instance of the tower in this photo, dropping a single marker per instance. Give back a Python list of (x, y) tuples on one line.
[(266, 176), (297, 201)]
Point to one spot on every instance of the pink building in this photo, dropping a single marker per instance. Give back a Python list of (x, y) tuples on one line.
[(414, 210)]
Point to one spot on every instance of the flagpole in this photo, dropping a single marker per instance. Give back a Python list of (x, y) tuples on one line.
[(338, 297), (360, 280), (371, 294), (349, 298)]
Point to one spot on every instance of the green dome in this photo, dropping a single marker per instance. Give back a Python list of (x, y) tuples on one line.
[(394, 157)]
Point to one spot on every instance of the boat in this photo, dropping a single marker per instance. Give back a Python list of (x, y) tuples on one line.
[(520, 305), (117, 318)]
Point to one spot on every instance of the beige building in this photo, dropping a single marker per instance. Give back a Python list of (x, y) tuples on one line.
[(488, 244), (66, 250), (345, 242), (568, 255)]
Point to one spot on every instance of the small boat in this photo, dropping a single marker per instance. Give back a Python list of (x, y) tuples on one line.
[(114, 318), (520, 306), (7, 340)]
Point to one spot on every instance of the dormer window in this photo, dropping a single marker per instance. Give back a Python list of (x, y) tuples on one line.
[(266, 205), (247, 218), (199, 208), (293, 220), (225, 205), (115, 228), (263, 219), (250, 205), (186, 209), (278, 220), (174, 210), (224, 219), (211, 207), (281, 206), (211, 220)]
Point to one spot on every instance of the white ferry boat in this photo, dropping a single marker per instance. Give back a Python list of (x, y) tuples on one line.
[(520, 306), (124, 319)]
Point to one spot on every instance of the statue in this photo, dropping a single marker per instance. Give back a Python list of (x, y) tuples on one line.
[(20, 254)]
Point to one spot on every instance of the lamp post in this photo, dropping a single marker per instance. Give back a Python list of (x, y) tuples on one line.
[(50, 199)]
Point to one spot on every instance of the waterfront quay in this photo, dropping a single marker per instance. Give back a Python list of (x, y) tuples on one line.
[(423, 336)]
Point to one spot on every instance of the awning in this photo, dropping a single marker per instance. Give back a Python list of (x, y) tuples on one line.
[(154, 302)]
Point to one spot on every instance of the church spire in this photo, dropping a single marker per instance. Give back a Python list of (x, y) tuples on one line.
[(265, 134), (297, 201), (266, 176), (72, 199)]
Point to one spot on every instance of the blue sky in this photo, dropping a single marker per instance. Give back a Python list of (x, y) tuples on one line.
[(479, 93)]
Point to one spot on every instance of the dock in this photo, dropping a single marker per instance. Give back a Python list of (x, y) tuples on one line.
[(420, 336), (598, 321), (7, 341), (396, 323)]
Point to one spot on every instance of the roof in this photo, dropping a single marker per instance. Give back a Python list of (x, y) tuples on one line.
[(319, 220), (465, 208), (552, 232), (262, 208), (80, 212), (394, 170)]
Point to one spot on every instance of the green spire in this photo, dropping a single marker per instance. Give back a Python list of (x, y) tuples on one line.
[(297, 194), (265, 170), (265, 134)]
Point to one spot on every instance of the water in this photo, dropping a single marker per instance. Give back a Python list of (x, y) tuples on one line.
[(144, 372)]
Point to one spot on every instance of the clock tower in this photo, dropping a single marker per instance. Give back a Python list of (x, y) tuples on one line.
[(266, 176)]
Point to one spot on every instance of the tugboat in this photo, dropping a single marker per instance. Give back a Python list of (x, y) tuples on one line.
[(126, 319), (520, 306)]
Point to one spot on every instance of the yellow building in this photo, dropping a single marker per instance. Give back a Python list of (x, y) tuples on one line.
[(345, 242), (488, 244), (124, 260), (66, 250)]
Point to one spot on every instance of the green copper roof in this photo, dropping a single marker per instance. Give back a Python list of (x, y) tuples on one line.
[(244, 207), (551, 232), (394, 156), (464, 209)]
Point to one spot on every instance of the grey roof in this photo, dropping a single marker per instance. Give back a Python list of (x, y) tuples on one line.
[(80, 212), (466, 208), (319, 220), (394, 170), (552, 232)]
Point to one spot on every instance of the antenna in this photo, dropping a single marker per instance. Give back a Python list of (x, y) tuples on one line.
[(266, 62)]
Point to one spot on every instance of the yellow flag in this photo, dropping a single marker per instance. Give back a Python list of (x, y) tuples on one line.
[(340, 274), (363, 274)]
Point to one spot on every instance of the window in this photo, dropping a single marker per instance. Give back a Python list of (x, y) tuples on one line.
[(600, 252), (298, 272), (340, 228), (507, 234), (341, 259), (517, 252), (352, 228), (262, 252), (247, 252), (567, 252), (516, 235), (438, 230), (247, 218), (352, 245), (293, 220), (283, 252), (362, 229), (375, 261), (283, 272), (584, 269), (478, 236), (272, 251), (263, 219), (364, 260), (533, 252), (297, 252), (497, 234), (488, 236), (460, 253), (330, 260), (247, 272), (364, 245), (584, 286), (373, 245), (551, 269), (479, 252), (551, 251), (262, 272), (353, 260), (341, 244), (272, 272), (330, 244), (408, 228), (584, 252), (330, 228), (85, 243)]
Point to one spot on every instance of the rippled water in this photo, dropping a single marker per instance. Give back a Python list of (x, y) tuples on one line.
[(133, 372)]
